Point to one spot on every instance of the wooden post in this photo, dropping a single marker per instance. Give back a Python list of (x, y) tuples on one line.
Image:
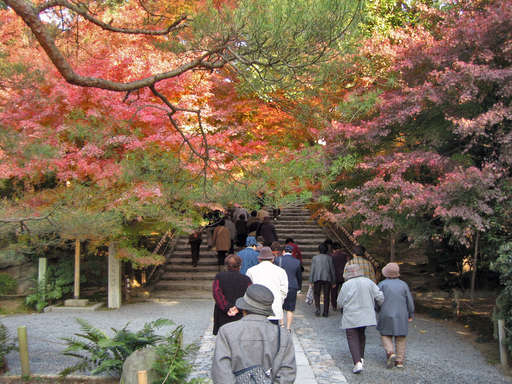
[(23, 348), (503, 347), (114, 278), (142, 377), (41, 276), (473, 275), (76, 294)]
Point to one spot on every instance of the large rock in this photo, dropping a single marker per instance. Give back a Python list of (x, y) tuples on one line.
[(140, 360), (10, 258), (25, 275)]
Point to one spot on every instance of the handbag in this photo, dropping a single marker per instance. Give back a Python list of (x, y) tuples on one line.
[(253, 375), (256, 374), (309, 296)]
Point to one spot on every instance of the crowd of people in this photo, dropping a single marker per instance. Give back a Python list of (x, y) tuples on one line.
[(255, 298)]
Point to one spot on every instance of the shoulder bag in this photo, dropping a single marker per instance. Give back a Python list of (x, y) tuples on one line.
[(256, 374)]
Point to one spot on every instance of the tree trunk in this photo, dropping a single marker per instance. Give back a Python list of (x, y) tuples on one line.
[(392, 247), (475, 259)]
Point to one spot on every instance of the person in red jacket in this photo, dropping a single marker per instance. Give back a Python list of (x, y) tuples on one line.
[(296, 251)]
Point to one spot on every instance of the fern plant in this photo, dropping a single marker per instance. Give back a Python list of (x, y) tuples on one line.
[(172, 365), (100, 353), (5, 346)]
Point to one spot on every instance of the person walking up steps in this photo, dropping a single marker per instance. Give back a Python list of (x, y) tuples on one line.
[(292, 267), (274, 278), (227, 287), (357, 297), (322, 277), (195, 239), (221, 241), (394, 315), (249, 255), (339, 259)]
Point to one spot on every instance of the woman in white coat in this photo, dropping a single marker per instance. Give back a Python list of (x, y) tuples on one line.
[(358, 297)]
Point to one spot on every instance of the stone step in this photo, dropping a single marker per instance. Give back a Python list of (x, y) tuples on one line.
[(205, 276), (182, 285), (211, 261), (189, 285), (182, 257), (294, 219), (200, 275), (304, 245), (164, 295), (180, 278), (187, 267)]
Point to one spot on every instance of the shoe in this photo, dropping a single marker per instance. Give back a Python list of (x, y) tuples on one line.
[(325, 315), (317, 313), (399, 364), (390, 362), (358, 367)]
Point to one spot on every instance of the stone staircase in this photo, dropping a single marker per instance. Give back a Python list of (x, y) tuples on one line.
[(180, 279)]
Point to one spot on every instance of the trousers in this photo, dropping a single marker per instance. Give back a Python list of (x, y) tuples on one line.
[(387, 342), (356, 342)]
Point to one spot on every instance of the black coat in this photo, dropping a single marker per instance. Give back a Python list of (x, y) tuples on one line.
[(268, 231), (227, 287)]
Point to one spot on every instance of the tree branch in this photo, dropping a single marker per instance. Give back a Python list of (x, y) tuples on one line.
[(82, 11), (30, 16)]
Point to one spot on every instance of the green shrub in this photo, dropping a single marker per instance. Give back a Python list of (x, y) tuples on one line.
[(8, 284), (503, 265), (5, 345), (103, 354), (58, 285)]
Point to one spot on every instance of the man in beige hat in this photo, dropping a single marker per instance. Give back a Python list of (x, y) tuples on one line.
[(273, 277)]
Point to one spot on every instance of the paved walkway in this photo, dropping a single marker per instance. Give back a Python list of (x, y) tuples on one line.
[(305, 372)]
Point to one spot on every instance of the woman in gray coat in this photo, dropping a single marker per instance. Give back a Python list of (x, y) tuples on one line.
[(394, 315)]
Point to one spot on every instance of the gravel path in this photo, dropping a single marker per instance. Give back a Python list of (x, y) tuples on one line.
[(436, 353), (46, 329)]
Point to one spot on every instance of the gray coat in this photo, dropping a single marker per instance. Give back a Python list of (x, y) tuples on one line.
[(322, 268), (398, 307), (253, 341), (358, 297)]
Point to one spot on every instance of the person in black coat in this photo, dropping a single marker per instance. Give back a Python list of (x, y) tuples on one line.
[(267, 230), (241, 230), (195, 240), (339, 259), (227, 287)]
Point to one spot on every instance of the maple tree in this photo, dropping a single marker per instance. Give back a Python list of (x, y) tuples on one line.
[(118, 113), (422, 140)]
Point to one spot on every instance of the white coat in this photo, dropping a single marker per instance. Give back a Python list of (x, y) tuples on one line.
[(357, 297), (274, 278)]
